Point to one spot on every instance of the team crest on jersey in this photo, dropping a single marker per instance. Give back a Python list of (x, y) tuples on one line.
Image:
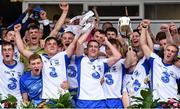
[(172, 74), (56, 62), (136, 73), (114, 69)]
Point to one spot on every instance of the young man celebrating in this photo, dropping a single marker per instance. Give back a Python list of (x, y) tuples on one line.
[(90, 70), (31, 81), (163, 72), (10, 72)]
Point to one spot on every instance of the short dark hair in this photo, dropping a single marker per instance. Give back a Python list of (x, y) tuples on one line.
[(92, 41), (114, 41), (160, 36), (136, 30), (68, 32), (34, 57), (111, 29), (51, 38), (32, 26), (5, 43), (100, 31)]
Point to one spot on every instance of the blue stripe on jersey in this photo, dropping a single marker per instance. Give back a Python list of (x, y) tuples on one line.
[(151, 60), (123, 74), (11, 66), (78, 64), (106, 67), (146, 66), (46, 55), (91, 104), (114, 103), (67, 62)]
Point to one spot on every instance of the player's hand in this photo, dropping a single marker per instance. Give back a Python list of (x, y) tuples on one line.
[(105, 40), (64, 5), (65, 85), (145, 23), (17, 27), (164, 27), (173, 28)]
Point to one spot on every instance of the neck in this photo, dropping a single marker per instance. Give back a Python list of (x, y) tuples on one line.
[(92, 57), (35, 73), (50, 55), (167, 62), (33, 46), (9, 62)]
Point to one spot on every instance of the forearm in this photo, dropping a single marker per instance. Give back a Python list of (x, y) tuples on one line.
[(149, 41), (115, 52), (59, 24), (169, 37), (71, 48)]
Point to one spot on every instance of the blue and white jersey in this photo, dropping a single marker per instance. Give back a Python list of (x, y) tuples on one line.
[(72, 74), (32, 85), (163, 78), (9, 79), (16, 54), (53, 74), (113, 80), (135, 81), (90, 73)]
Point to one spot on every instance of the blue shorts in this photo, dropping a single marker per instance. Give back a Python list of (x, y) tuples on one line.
[(114, 103), (91, 104)]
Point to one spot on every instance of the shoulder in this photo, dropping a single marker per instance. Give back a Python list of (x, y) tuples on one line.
[(25, 75)]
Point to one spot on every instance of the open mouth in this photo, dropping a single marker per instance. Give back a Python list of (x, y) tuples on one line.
[(7, 56), (34, 38), (135, 41), (67, 44), (36, 70)]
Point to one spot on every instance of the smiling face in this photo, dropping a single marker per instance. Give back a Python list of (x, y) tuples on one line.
[(169, 54), (92, 49), (99, 37), (67, 38), (51, 47), (135, 39)]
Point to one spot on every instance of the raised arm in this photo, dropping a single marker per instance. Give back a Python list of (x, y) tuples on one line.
[(165, 28), (83, 38), (19, 42), (71, 48), (143, 42), (97, 16), (128, 60), (116, 54), (64, 7)]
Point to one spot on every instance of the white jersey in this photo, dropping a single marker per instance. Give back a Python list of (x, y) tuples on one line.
[(113, 80), (163, 78), (90, 73), (16, 54), (9, 79), (53, 74), (72, 74), (135, 81)]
